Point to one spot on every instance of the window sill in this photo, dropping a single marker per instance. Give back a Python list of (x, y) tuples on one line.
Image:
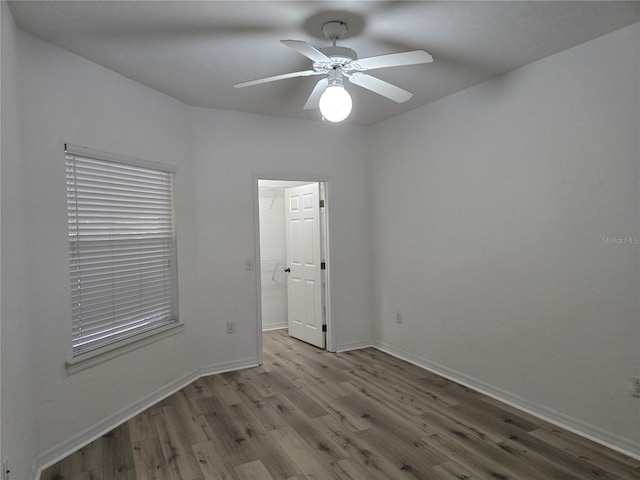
[(101, 355)]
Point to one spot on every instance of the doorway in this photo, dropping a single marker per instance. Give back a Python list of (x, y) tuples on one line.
[(292, 250)]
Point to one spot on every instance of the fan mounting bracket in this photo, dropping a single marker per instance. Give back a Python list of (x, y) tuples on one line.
[(334, 30)]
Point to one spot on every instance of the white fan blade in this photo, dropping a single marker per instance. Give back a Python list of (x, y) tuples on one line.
[(306, 50), (380, 87), (395, 60), (304, 73), (314, 98)]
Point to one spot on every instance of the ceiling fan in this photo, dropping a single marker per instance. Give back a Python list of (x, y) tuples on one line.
[(337, 62)]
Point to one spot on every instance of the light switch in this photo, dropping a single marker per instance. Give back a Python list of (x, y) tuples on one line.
[(249, 264)]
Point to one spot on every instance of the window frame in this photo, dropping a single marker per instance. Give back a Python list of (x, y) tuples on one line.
[(80, 360)]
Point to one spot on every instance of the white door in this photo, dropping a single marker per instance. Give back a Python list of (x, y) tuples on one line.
[(304, 281)]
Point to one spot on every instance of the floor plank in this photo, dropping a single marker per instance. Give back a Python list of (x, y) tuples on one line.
[(253, 471), (307, 414), (117, 455), (149, 460), (176, 446)]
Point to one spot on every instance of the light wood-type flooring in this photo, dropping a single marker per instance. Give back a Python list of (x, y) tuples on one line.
[(309, 414)]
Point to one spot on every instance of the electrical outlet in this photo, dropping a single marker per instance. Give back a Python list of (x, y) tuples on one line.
[(635, 390), (231, 327), (398, 317)]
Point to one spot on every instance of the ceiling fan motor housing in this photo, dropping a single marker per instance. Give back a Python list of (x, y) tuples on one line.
[(339, 56)]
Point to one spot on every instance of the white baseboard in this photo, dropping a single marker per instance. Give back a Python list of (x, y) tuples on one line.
[(54, 455), (274, 326), (583, 429), (345, 347)]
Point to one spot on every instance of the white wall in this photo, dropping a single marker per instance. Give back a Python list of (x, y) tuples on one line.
[(64, 98), (273, 257), (490, 210), (18, 366), (228, 149)]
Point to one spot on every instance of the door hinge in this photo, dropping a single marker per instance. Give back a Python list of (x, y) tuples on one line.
[(324, 327), (321, 203), (323, 266)]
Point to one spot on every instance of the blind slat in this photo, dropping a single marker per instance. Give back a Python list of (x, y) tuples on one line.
[(109, 337), (132, 310), (98, 329), (99, 292), (121, 250)]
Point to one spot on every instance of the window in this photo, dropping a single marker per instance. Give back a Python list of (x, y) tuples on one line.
[(122, 248)]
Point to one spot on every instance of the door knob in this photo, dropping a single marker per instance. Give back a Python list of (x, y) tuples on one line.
[(287, 270)]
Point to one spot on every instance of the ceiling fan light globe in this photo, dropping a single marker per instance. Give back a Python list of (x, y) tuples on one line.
[(335, 103)]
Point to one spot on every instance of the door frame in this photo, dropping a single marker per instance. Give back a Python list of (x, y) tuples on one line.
[(328, 294)]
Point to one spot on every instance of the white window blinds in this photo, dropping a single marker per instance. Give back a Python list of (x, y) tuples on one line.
[(122, 248)]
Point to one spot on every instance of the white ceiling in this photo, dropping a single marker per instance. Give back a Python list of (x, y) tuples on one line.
[(196, 51)]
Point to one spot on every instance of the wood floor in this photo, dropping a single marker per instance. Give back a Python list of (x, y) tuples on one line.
[(308, 414)]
